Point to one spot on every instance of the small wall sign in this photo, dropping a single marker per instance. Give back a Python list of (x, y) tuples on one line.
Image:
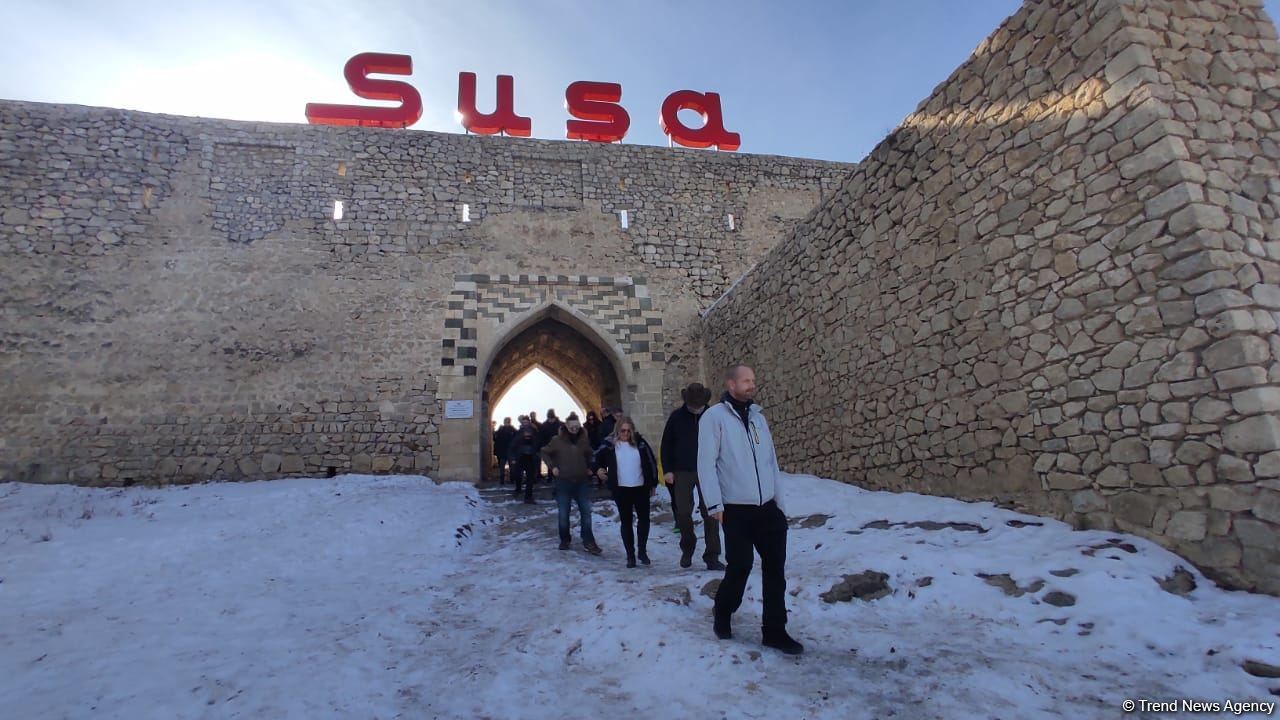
[(457, 409)]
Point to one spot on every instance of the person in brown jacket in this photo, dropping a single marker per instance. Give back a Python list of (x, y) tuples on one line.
[(568, 455)]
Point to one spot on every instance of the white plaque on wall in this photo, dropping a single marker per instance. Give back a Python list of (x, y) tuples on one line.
[(456, 409)]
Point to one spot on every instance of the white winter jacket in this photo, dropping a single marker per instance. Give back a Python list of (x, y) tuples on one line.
[(737, 463)]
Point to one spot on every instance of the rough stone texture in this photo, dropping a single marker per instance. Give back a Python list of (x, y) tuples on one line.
[(180, 303), (867, 585), (1053, 286)]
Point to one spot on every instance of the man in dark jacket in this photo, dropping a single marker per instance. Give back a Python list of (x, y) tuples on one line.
[(501, 443), (523, 451), (569, 457), (680, 472), (550, 428), (611, 417)]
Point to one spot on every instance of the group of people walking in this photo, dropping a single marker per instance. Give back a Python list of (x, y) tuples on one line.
[(723, 454)]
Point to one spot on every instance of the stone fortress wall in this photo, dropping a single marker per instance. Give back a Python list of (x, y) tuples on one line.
[(1056, 285), (179, 303)]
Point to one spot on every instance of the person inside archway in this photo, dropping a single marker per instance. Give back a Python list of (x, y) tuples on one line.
[(611, 417), (537, 437), (523, 453), (569, 456), (627, 463), (592, 426), (501, 444)]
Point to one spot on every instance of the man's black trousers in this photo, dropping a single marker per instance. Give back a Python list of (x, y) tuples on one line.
[(750, 529)]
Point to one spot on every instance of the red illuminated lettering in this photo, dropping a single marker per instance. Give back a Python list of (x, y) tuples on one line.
[(502, 119), (595, 107), (357, 73), (712, 131), (600, 118)]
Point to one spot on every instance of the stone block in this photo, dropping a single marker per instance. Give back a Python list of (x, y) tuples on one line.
[(1234, 469), (1236, 351), (1216, 301), (1135, 508), (1113, 476), (1210, 409), (1129, 450), (1260, 433), (271, 463), (1268, 466), (1257, 533), (1240, 377), (1187, 525), (1258, 400), (1266, 506)]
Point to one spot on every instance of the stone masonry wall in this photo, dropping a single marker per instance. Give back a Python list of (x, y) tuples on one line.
[(1054, 286), (180, 304)]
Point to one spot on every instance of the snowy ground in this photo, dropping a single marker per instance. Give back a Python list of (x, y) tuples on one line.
[(386, 597)]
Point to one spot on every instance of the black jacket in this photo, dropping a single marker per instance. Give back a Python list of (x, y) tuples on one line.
[(680, 441), (550, 428), (502, 440), (606, 427), (606, 459), (522, 447), (593, 432)]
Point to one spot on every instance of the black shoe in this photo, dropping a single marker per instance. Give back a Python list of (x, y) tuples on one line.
[(780, 640), (530, 501), (631, 561), (564, 544), (686, 559), (715, 565), (723, 630), (644, 557), (592, 548)]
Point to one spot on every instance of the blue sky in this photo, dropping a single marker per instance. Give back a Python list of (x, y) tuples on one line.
[(778, 66)]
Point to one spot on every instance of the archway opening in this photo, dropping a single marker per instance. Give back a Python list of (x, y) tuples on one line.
[(564, 353), (537, 390)]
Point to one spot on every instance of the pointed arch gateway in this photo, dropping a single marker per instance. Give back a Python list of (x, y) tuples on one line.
[(600, 336), (565, 344)]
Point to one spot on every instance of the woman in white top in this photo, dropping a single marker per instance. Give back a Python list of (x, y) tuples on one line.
[(627, 463)]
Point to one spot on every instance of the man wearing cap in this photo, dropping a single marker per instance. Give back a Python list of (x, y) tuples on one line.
[(680, 468)]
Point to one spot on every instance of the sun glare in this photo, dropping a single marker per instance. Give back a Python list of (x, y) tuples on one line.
[(536, 391)]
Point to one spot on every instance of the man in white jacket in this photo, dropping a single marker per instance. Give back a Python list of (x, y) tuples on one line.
[(741, 484)]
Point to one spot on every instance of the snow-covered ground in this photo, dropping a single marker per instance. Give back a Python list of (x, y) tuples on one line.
[(394, 597)]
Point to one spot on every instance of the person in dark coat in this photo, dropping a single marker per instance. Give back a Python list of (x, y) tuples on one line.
[(627, 463), (569, 457), (550, 428), (592, 426), (501, 443), (611, 418), (680, 468), (523, 452)]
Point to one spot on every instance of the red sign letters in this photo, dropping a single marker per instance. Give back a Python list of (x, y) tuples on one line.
[(595, 107)]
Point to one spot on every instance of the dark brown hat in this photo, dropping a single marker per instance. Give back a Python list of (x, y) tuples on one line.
[(696, 395)]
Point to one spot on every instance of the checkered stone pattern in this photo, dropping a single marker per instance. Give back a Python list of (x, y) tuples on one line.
[(618, 306)]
